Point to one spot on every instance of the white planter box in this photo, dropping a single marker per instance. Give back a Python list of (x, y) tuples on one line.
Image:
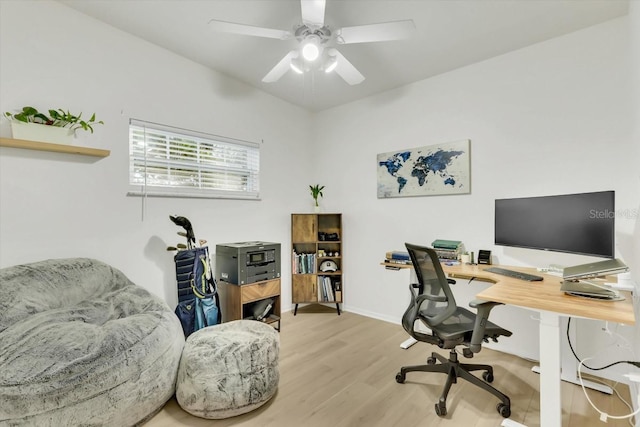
[(42, 133)]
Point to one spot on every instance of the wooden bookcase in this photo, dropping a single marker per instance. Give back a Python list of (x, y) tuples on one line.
[(316, 238)]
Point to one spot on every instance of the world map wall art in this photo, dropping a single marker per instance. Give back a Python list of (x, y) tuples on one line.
[(425, 171)]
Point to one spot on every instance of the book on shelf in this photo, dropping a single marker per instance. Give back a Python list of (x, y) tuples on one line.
[(398, 255), (398, 261), (448, 250), (397, 258), (325, 289), (303, 263), (446, 244), (447, 254)]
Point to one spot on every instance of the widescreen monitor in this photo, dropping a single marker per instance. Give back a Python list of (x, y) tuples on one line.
[(576, 223)]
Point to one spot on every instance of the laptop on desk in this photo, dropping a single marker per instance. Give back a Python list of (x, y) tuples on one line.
[(590, 289), (594, 269)]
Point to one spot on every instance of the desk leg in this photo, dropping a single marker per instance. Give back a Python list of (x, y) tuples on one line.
[(569, 364), (410, 341), (550, 403)]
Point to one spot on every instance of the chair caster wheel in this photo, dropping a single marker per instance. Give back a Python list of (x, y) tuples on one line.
[(441, 409), (400, 378), (487, 376), (504, 410), (431, 360)]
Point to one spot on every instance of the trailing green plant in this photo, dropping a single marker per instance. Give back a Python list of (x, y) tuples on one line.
[(316, 191), (58, 118)]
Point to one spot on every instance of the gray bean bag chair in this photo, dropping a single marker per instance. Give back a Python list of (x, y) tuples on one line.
[(80, 344)]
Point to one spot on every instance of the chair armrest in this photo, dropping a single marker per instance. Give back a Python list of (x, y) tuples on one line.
[(479, 303), (416, 301), (420, 297), (482, 316), (437, 298)]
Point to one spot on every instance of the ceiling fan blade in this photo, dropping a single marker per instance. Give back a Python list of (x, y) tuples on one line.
[(384, 31), (281, 68), (313, 12), (248, 30), (345, 69)]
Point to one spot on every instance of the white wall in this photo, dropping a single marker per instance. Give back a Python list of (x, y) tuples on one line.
[(549, 119), (54, 205), (553, 118)]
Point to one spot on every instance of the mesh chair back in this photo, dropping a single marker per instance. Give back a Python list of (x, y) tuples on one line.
[(433, 282)]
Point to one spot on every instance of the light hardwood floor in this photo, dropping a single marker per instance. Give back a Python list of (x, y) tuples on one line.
[(339, 371)]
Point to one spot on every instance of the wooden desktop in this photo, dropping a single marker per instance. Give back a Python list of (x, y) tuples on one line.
[(543, 295), (546, 298)]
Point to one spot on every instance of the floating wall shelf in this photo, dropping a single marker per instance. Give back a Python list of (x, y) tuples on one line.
[(56, 148)]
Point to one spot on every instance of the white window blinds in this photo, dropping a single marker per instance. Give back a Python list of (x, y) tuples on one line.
[(167, 161)]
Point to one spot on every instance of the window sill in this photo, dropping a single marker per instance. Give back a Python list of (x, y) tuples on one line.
[(176, 194)]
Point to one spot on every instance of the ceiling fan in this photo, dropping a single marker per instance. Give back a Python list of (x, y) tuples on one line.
[(315, 41)]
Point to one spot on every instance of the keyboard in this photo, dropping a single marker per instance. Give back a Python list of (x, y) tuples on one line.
[(514, 274)]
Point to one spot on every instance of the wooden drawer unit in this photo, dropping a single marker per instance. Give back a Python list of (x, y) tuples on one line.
[(260, 290), (236, 302)]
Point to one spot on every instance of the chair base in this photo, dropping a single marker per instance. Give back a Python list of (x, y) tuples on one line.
[(454, 370)]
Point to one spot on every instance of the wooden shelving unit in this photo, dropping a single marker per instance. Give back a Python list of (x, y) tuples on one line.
[(56, 148), (316, 238), (236, 300)]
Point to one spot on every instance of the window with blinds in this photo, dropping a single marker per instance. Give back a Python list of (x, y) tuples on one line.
[(167, 161)]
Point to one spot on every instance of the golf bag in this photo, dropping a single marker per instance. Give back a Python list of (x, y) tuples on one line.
[(198, 300)]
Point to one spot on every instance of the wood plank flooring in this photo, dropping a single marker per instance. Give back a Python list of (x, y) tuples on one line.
[(339, 371)]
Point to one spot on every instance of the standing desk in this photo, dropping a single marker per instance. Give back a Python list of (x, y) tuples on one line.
[(546, 298)]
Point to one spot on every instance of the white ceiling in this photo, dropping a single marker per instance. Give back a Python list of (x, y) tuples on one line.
[(449, 34)]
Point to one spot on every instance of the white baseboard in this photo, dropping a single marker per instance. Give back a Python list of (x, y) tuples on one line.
[(371, 314), (510, 423)]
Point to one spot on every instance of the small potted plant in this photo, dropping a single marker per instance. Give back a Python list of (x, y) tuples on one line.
[(59, 126), (316, 191)]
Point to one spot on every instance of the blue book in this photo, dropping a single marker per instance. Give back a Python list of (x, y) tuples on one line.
[(404, 256)]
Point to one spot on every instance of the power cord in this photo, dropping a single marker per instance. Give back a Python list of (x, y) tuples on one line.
[(630, 362), (603, 415)]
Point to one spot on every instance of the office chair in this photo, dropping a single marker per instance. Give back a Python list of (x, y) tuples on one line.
[(432, 303)]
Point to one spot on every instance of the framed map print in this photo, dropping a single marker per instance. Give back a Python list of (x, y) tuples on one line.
[(425, 171)]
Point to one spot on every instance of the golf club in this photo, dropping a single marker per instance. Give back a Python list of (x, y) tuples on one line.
[(186, 224)]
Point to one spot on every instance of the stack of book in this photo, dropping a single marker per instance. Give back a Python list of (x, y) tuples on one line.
[(326, 291), (448, 250), (397, 257), (303, 263)]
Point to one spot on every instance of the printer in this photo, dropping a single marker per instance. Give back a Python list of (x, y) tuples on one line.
[(242, 263)]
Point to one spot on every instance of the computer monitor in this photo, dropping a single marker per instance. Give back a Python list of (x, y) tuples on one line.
[(576, 223)]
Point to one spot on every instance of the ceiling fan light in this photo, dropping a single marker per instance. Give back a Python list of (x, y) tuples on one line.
[(331, 65), (311, 50), (296, 65)]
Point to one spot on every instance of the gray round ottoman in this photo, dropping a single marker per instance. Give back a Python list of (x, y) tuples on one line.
[(228, 369)]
